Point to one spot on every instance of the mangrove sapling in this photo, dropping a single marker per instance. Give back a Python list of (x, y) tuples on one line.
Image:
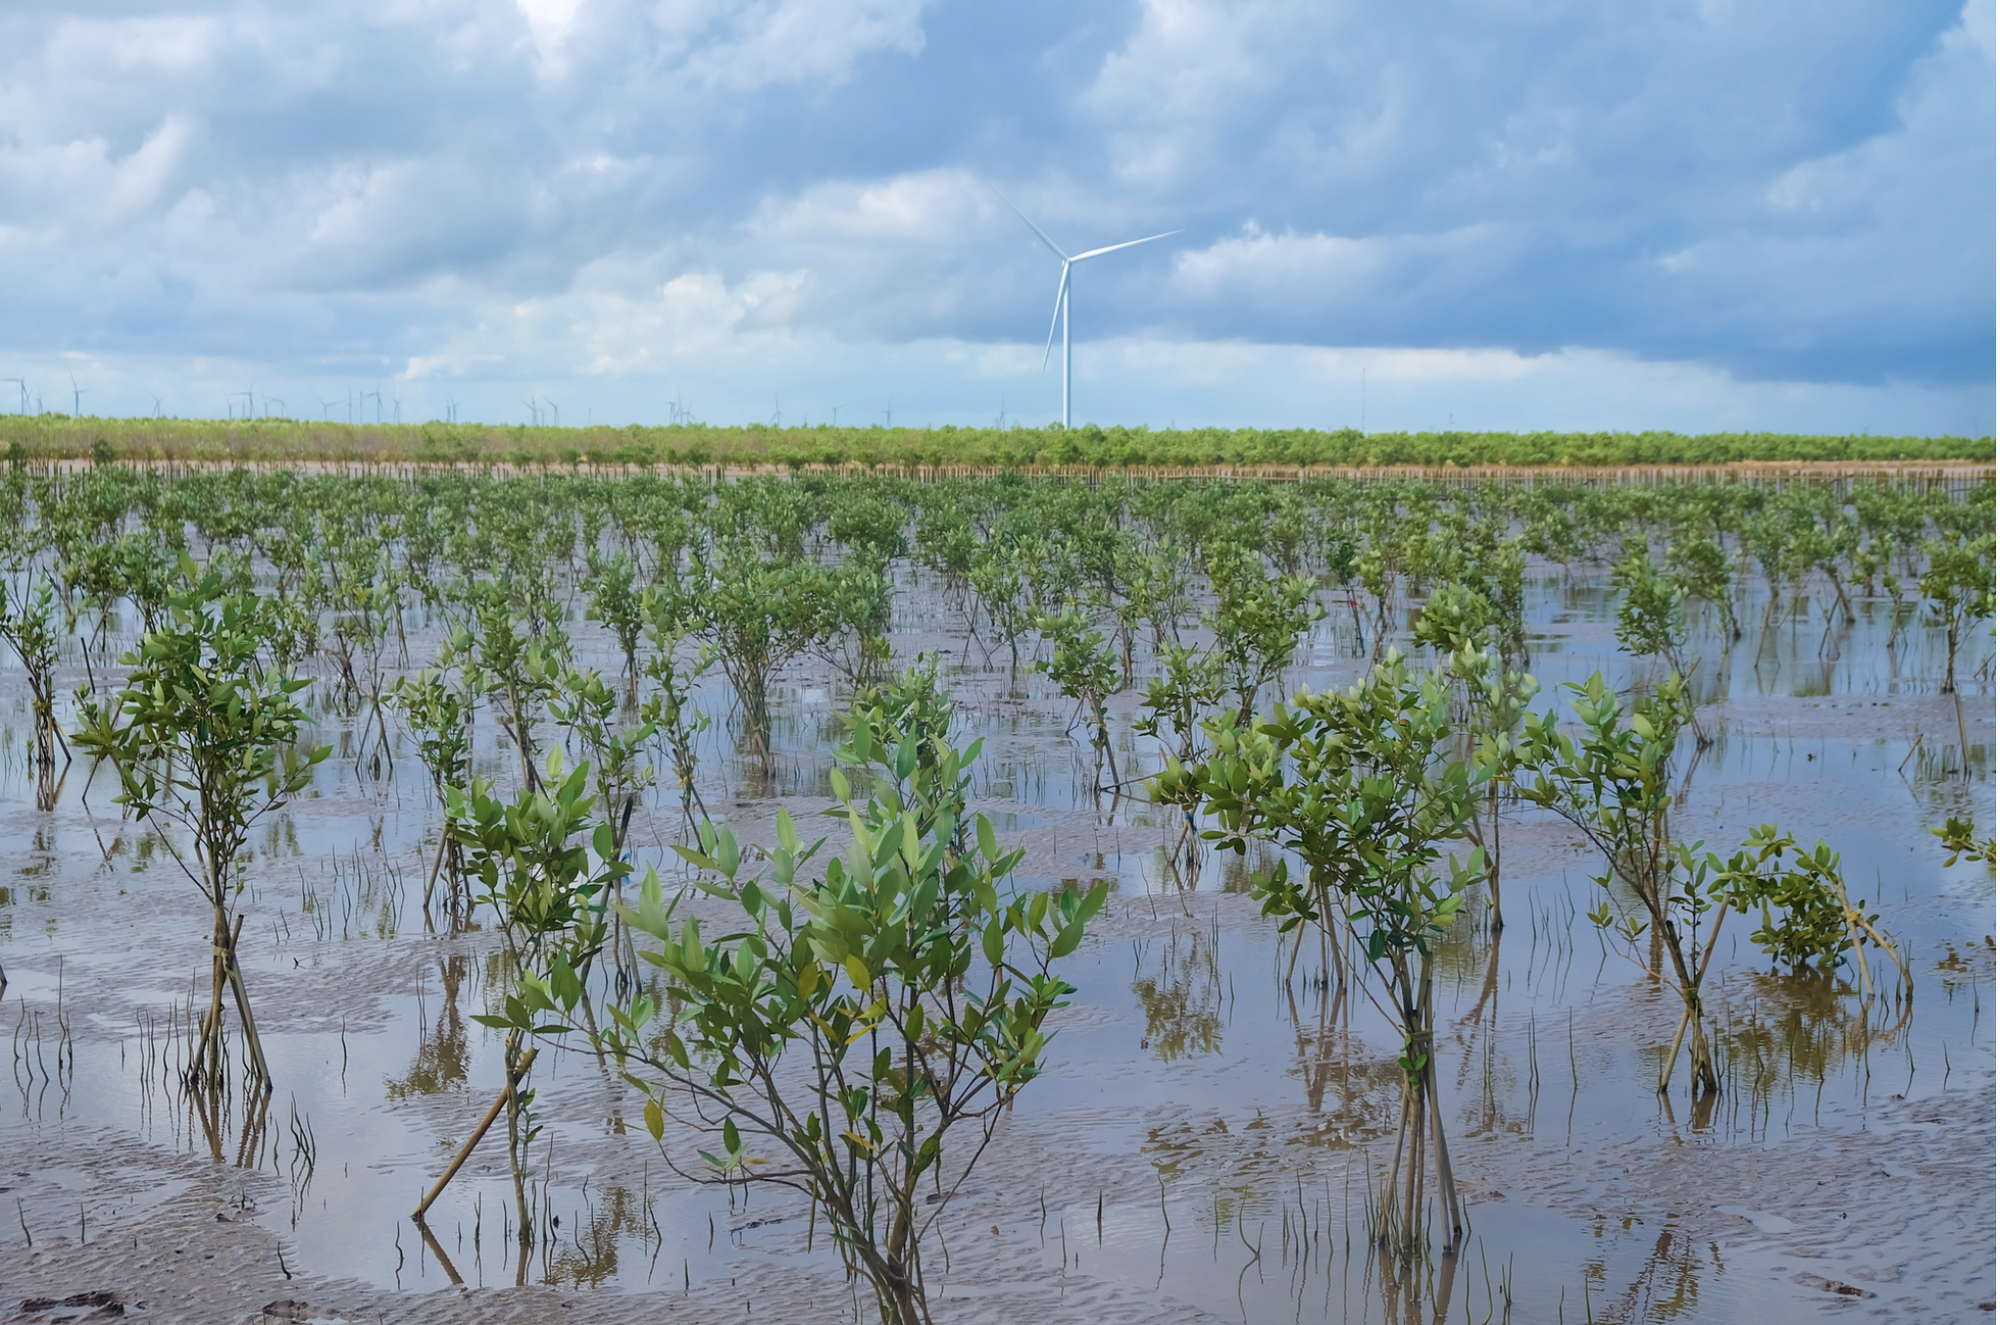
[(549, 891), (1498, 698), (1457, 622), (1086, 670), (1156, 592), (368, 603), (1189, 686), (520, 667), (912, 979), (858, 601), (758, 614), (28, 624), (670, 710), (1361, 788), (588, 708), (996, 581), (1652, 624), (1959, 840), (1506, 573), (1958, 585), (439, 716), (1258, 621), (1614, 785), (1650, 620), (1455, 616), (204, 740), (616, 601), (1702, 571), (1807, 921)]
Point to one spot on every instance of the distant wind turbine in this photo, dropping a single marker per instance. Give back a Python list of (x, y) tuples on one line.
[(1062, 290), (158, 401), (77, 394)]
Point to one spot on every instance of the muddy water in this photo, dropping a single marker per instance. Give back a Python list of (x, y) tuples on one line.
[(1201, 1145)]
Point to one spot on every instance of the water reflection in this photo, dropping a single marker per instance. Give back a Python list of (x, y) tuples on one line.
[(1665, 1286), (583, 1252), (1182, 999), (444, 1052), (1796, 1030)]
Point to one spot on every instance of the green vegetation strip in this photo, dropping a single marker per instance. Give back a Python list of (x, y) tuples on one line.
[(50, 436)]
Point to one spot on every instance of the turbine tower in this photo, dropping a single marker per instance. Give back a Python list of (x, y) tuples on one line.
[(1061, 313)]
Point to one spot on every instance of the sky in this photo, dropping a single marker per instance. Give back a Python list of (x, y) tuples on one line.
[(1699, 215)]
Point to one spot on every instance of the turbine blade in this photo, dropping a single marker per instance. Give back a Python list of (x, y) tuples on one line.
[(1113, 248), (1030, 224), (1062, 290)]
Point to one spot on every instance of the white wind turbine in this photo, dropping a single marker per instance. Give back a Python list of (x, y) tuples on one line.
[(1061, 313)]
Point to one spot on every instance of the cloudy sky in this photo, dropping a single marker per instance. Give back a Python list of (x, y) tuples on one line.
[(1691, 214)]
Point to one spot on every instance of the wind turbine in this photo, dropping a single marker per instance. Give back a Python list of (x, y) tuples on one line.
[(1061, 313), (77, 394)]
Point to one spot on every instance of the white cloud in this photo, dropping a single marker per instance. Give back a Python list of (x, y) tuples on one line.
[(744, 46), (618, 191)]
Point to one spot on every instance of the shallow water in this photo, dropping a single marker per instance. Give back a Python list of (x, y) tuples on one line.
[(1201, 1143)]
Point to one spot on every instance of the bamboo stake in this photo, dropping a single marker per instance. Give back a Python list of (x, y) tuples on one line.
[(465, 1151), (243, 1009)]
